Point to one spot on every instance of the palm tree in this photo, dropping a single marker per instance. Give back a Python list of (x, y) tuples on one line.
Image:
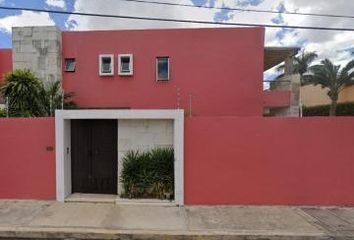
[(28, 97), (53, 98), (332, 77), (22, 90), (301, 63)]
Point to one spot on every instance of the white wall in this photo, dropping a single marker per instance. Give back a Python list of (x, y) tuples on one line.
[(142, 135)]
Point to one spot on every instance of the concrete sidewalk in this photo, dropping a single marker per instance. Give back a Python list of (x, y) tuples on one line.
[(53, 220)]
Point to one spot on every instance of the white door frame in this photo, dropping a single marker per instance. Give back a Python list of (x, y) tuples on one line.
[(63, 143)]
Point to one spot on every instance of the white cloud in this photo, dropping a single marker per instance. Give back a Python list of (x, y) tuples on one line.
[(326, 43), (25, 19), (56, 3), (132, 9)]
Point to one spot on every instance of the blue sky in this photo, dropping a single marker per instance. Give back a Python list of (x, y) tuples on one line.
[(61, 21), (338, 46), (58, 19)]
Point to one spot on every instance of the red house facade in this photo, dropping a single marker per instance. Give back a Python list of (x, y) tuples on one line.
[(216, 72)]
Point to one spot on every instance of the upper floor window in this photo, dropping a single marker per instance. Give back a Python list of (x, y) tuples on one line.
[(106, 64), (70, 64), (162, 68), (125, 64)]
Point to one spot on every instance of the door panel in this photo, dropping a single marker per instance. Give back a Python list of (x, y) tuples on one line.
[(94, 156), (105, 153)]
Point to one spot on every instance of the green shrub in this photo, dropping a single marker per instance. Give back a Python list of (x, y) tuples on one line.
[(2, 113), (343, 109), (28, 97), (148, 174)]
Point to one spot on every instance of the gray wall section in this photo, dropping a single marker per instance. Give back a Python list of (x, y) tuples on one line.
[(38, 49), (291, 83)]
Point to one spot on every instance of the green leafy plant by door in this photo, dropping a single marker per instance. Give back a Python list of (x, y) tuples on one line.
[(148, 174)]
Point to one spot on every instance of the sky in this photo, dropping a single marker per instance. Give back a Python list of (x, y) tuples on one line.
[(337, 46)]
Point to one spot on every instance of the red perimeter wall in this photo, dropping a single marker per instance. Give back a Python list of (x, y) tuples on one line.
[(269, 161), (228, 160), (27, 164)]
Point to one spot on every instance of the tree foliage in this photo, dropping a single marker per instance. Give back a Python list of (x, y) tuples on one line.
[(343, 109), (27, 96), (22, 90), (332, 77), (52, 98), (301, 63)]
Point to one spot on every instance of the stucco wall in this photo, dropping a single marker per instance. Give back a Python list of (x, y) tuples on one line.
[(228, 160), (315, 95), (142, 135), (269, 161), (221, 69), (5, 62), (289, 83), (27, 158), (38, 49)]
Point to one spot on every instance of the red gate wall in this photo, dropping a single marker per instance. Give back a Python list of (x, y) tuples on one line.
[(269, 161), (27, 158), (228, 160)]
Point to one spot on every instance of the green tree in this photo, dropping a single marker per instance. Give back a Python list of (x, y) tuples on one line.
[(52, 98), (28, 97), (301, 63), (332, 77), (22, 90)]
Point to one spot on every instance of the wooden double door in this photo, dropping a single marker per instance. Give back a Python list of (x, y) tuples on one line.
[(94, 165)]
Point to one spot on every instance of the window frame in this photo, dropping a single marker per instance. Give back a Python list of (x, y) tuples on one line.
[(65, 64), (168, 69), (100, 57), (131, 65)]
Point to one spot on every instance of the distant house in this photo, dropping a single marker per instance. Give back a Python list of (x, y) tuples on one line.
[(316, 95)]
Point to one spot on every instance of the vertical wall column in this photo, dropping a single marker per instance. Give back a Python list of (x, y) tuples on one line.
[(39, 50)]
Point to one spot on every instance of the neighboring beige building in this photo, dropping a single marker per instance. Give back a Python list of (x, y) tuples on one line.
[(315, 95)]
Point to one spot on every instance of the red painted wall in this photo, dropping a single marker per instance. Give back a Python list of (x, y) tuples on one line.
[(27, 167), (269, 161), (275, 98), (221, 68), (5, 62)]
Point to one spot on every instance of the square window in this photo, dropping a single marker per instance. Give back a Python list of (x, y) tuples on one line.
[(162, 68), (125, 62), (106, 65), (70, 64)]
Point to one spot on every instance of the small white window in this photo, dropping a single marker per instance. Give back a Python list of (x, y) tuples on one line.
[(106, 64), (162, 68), (125, 64)]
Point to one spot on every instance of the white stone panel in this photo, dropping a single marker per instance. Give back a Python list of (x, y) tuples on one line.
[(142, 135)]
